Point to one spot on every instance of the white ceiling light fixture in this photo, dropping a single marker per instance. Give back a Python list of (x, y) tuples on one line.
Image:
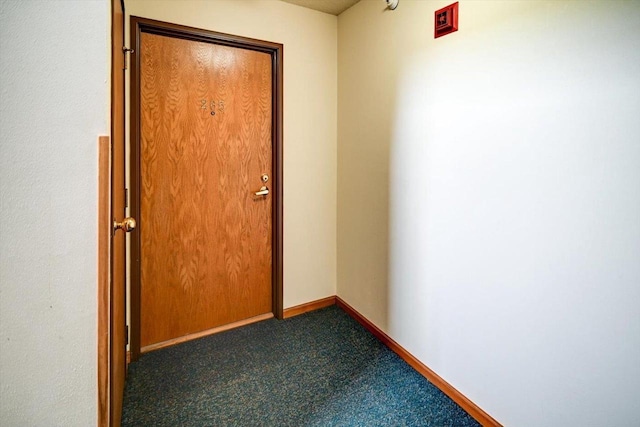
[(392, 4)]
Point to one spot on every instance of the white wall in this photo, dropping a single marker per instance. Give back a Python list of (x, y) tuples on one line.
[(489, 199), (54, 102), (310, 116)]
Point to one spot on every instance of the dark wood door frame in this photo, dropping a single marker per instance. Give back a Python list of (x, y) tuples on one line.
[(143, 25)]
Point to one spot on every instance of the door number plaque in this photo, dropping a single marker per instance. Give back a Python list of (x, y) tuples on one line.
[(212, 105)]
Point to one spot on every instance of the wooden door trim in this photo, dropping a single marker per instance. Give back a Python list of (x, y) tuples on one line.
[(104, 288), (140, 25)]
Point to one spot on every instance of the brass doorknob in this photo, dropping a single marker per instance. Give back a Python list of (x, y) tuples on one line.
[(128, 224)]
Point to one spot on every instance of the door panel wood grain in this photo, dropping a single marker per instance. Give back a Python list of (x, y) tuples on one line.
[(205, 142)]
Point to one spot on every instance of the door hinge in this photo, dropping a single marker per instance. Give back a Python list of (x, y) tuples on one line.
[(126, 50), (126, 334)]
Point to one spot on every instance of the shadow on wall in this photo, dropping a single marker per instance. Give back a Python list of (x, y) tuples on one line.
[(366, 111)]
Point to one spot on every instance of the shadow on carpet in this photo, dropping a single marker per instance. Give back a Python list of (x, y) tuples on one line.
[(317, 369)]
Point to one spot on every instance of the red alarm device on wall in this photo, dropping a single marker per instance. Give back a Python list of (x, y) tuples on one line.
[(446, 20)]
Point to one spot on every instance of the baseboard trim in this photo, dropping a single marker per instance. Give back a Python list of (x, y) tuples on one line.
[(471, 408), (216, 330), (309, 306)]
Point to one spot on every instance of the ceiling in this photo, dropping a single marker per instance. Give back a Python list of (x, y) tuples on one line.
[(334, 7)]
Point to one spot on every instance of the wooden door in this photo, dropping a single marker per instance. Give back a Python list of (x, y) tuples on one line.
[(112, 305), (205, 147), (118, 286)]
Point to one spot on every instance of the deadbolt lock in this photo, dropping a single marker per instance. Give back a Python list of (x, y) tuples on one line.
[(265, 177)]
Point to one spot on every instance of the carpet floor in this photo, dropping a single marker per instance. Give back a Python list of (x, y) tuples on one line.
[(317, 369)]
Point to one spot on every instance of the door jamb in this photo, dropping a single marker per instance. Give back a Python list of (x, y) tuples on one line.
[(140, 25)]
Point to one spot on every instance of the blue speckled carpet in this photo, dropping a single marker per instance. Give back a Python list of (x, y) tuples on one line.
[(317, 369)]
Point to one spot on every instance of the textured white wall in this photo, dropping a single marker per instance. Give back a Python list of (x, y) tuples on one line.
[(489, 199), (54, 102), (310, 116)]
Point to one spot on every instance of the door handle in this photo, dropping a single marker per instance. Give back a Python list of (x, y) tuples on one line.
[(128, 224), (262, 192)]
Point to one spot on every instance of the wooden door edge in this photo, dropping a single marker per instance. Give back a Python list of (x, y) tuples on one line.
[(276, 50), (104, 288)]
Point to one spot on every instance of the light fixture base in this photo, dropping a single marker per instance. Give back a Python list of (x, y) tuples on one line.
[(392, 4)]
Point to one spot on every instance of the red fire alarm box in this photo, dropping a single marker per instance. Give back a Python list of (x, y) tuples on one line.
[(446, 20)]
